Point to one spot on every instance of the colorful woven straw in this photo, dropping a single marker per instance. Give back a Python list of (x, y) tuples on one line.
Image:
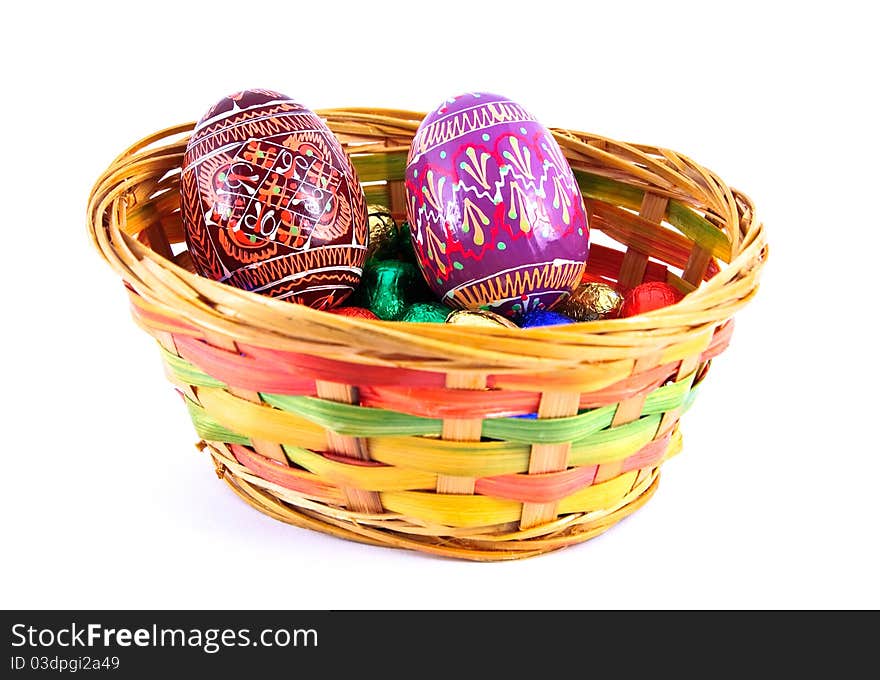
[(412, 435)]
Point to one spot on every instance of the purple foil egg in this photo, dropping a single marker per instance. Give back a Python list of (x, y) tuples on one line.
[(498, 221)]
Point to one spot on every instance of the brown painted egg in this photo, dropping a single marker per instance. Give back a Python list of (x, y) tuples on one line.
[(271, 203)]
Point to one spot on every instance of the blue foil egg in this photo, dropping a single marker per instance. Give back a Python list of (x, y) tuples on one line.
[(543, 317)]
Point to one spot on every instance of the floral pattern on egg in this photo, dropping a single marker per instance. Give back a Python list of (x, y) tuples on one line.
[(498, 221)]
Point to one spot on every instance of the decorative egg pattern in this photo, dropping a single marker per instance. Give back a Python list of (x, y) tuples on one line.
[(498, 220), (271, 203)]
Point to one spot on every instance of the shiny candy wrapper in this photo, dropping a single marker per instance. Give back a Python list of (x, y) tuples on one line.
[(406, 245), (591, 301), (646, 297), (388, 287), (426, 312), (356, 312), (481, 318), (543, 317), (384, 235)]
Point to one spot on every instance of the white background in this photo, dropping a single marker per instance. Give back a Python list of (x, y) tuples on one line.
[(772, 504)]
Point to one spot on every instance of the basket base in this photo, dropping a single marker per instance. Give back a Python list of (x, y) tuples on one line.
[(394, 532)]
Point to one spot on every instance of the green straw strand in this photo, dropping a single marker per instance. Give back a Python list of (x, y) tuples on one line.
[(186, 372), (210, 429), (356, 421)]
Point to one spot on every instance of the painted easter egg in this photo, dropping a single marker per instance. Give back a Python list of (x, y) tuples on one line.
[(271, 203), (498, 221)]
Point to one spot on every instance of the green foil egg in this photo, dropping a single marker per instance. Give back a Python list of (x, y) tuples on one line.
[(388, 287), (426, 312)]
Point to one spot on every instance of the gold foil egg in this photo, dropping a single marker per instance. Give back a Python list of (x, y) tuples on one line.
[(481, 319), (591, 301), (384, 234)]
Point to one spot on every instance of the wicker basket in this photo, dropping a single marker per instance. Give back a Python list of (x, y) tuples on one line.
[(406, 435)]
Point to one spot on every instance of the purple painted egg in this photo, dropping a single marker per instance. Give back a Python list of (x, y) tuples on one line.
[(498, 221), (270, 202)]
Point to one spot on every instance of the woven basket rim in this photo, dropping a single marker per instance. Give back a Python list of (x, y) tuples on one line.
[(277, 324)]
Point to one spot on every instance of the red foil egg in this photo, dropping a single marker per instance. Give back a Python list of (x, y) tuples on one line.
[(271, 203), (646, 297), (357, 312)]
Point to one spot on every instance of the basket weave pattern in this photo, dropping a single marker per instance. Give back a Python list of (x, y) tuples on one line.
[(413, 435)]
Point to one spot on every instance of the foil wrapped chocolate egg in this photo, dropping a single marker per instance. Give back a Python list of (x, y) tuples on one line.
[(354, 312), (479, 319), (271, 203), (389, 287), (498, 221), (647, 297), (384, 233), (425, 312), (543, 317), (590, 301)]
